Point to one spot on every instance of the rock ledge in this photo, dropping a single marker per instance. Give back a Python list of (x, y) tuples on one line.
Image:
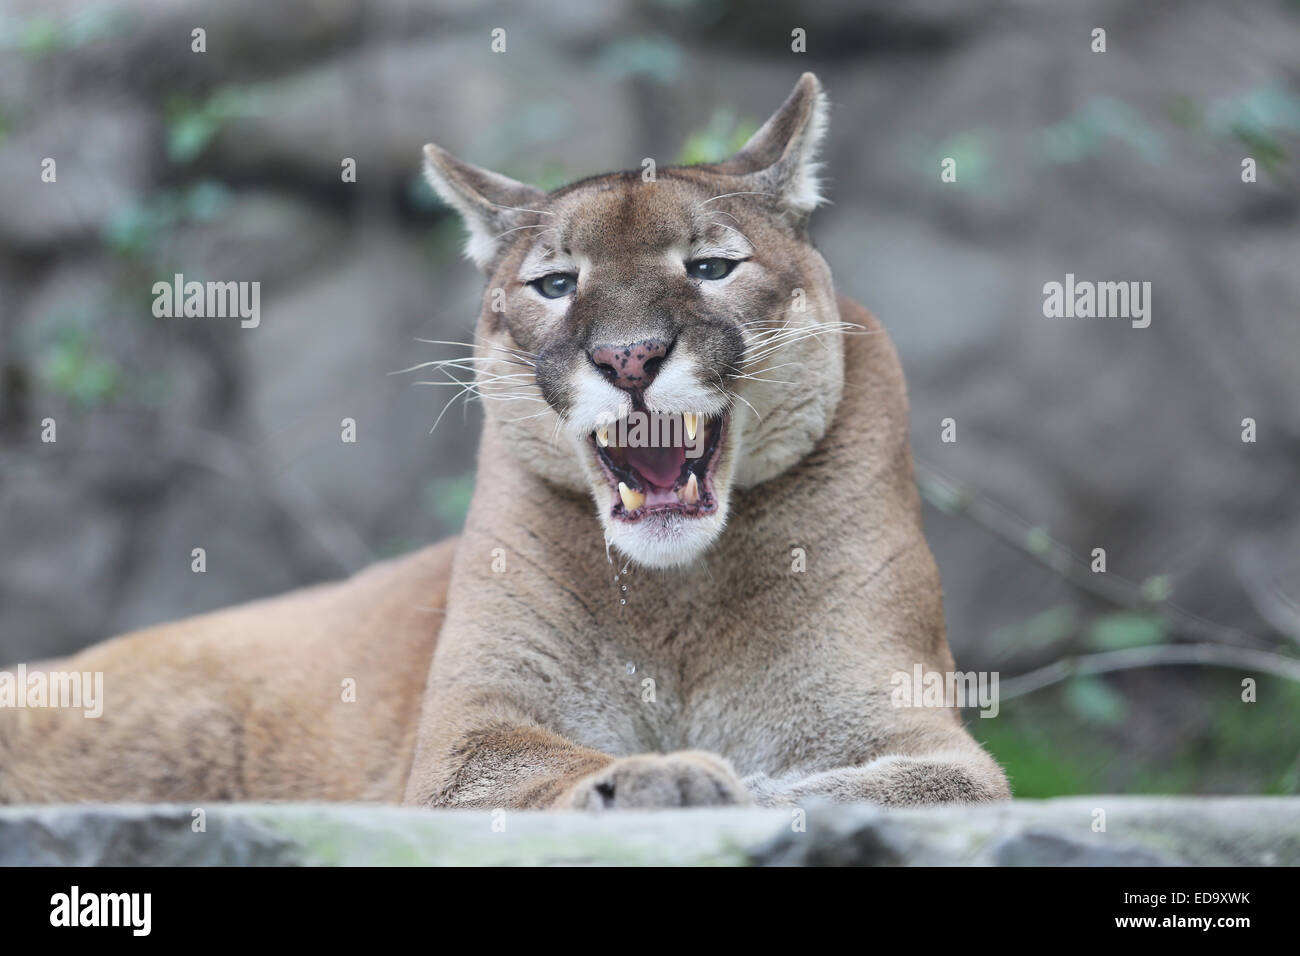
[(1139, 831)]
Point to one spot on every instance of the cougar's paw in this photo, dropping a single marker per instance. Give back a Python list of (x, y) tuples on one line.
[(687, 778)]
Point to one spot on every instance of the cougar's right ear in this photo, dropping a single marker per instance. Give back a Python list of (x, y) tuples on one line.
[(490, 204)]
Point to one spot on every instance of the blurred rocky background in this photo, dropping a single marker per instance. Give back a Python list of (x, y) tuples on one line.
[(1072, 434)]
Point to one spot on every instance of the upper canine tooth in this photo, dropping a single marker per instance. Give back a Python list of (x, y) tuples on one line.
[(690, 492), (602, 436), (692, 422), (631, 499)]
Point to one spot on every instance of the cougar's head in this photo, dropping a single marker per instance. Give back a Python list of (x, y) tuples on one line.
[(661, 336)]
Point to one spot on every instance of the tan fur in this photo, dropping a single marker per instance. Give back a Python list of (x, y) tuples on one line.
[(585, 662), (247, 703), (785, 675)]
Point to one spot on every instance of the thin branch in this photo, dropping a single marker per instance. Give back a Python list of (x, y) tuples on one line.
[(1158, 655), (1005, 524)]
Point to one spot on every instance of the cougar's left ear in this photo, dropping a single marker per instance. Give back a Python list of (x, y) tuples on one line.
[(781, 157), (490, 204)]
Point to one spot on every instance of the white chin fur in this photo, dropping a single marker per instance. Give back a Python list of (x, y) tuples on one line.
[(665, 541)]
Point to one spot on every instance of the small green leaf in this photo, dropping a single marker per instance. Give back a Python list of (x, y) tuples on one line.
[(189, 136), (972, 151), (1038, 541), (1126, 629), (723, 136), (70, 367), (1092, 699), (1050, 626), (940, 494), (1156, 589)]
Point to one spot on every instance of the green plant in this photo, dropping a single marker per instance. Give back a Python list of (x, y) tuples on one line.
[(70, 366), (139, 229), (191, 125), (719, 139)]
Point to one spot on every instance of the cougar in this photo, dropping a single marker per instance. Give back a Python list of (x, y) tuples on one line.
[(692, 568)]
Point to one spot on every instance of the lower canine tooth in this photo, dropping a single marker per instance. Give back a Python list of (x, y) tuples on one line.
[(692, 422), (690, 492), (631, 499)]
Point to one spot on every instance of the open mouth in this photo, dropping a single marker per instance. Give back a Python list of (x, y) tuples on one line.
[(670, 475)]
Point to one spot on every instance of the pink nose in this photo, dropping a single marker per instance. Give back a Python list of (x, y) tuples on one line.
[(632, 366)]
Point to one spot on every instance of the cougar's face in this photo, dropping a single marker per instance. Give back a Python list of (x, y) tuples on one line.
[(682, 341), (658, 343)]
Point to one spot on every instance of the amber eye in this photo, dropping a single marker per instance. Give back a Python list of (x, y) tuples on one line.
[(711, 268), (556, 285)]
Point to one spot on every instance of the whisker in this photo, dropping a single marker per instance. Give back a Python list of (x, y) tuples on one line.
[(751, 407), (524, 418), (763, 346), (723, 225), (531, 225), (540, 212), (474, 345), (457, 363), (746, 192)]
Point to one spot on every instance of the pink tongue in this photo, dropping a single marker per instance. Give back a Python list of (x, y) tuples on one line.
[(659, 466)]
